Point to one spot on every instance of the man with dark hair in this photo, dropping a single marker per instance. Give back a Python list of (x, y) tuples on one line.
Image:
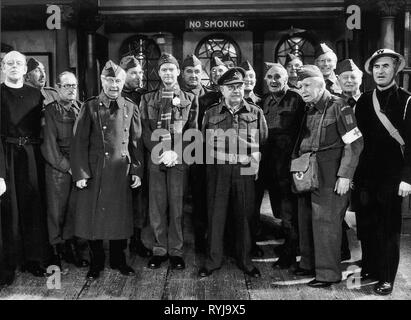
[(166, 114), (107, 163), (383, 177), (60, 116), (23, 208), (133, 90), (191, 81), (292, 64), (36, 77)]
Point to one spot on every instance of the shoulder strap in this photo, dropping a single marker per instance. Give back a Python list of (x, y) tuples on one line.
[(385, 121), (406, 106)]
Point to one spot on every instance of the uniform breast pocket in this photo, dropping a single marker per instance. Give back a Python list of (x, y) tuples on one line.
[(329, 132), (286, 118), (248, 122), (217, 122), (152, 111), (65, 126)]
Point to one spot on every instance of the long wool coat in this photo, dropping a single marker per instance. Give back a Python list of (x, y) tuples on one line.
[(105, 150)]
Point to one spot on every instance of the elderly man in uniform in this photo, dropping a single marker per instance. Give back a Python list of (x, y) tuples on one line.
[(133, 90), (36, 77), (166, 114), (60, 116), (237, 129), (383, 177), (283, 110), (331, 132), (23, 208), (326, 61), (349, 78), (292, 64), (106, 162)]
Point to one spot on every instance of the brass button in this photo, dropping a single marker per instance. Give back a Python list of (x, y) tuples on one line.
[(106, 154), (104, 127)]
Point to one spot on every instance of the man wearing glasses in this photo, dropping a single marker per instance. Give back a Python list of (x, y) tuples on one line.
[(107, 163), (60, 116), (233, 130), (23, 209)]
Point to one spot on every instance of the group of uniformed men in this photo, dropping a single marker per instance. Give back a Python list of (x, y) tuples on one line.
[(116, 167)]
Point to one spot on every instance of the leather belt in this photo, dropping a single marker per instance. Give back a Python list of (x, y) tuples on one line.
[(232, 158), (21, 141)]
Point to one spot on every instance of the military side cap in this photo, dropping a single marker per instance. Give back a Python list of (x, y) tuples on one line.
[(290, 57), (191, 61), (167, 58), (321, 49), (216, 61), (228, 62), (111, 69), (384, 53), (233, 75), (129, 62), (246, 65), (32, 64), (346, 65), (308, 71)]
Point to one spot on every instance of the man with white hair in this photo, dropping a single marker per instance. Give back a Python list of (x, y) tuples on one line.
[(107, 163), (350, 78), (326, 61), (383, 177), (23, 207), (283, 110), (331, 133)]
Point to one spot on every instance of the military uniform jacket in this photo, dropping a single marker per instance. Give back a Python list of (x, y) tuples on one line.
[(381, 159), (105, 151), (249, 118), (340, 140), (58, 132), (151, 108), (134, 95), (50, 94), (283, 114)]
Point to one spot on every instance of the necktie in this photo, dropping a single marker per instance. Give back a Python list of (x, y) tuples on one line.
[(328, 84), (113, 106), (351, 102)]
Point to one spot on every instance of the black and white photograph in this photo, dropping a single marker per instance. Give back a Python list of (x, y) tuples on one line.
[(208, 155)]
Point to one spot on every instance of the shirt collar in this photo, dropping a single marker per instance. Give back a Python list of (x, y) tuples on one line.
[(175, 88), (243, 104), (106, 101), (322, 103)]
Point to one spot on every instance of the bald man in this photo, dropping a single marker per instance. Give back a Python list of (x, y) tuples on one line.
[(23, 208)]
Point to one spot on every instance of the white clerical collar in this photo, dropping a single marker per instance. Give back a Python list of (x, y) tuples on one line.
[(17, 85)]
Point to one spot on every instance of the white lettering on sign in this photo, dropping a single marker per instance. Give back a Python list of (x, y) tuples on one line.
[(354, 20), (54, 21), (215, 24)]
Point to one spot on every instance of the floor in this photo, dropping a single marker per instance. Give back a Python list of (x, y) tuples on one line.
[(229, 283)]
